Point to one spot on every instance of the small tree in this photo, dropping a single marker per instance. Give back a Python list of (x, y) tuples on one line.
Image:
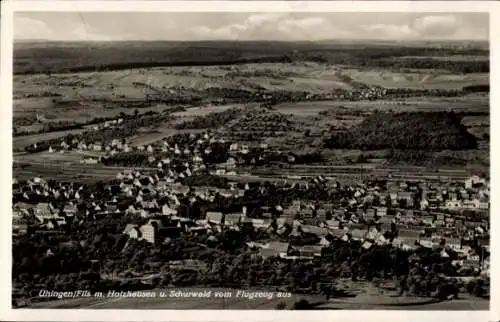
[(281, 305), (302, 304), (471, 286)]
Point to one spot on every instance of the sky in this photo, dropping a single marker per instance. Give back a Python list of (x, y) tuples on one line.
[(192, 26)]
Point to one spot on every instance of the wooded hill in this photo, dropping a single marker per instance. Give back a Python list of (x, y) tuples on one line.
[(406, 131)]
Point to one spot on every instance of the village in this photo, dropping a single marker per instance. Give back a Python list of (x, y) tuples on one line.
[(451, 216), (206, 185), (356, 174)]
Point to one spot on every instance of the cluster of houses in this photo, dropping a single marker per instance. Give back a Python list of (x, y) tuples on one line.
[(364, 93), (156, 230), (196, 148), (158, 198)]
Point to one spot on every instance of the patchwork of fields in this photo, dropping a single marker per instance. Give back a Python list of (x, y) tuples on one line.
[(417, 80), (60, 95)]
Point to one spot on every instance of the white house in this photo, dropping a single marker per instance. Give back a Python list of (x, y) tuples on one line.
[(426, 242), (244, 149)]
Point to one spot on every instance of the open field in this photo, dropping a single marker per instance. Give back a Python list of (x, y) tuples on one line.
[(205, 110), (458, 305), (451, 57), (68, 157), (429, 80), (472, 103), (67, 83), (66, 171), (71, 108), (59, 92), (65, 92), (70, 85), (20, 142)]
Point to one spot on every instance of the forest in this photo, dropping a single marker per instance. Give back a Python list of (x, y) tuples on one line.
[(431, 131), (53, 57)]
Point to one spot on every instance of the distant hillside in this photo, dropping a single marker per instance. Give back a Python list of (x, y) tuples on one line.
[(406, 131), (63, 57)]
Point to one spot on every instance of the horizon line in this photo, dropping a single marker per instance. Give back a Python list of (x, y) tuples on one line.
[(248, 40)]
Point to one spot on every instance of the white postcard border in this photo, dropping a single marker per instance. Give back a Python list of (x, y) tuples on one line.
[(9, 7)]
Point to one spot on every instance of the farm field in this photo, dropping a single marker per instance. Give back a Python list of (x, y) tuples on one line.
[(134, 84), (83, 94), (20, 142), (451, 58), (430, 80), (70, 171), (465, 104), (459, 305), (71, 109), (67, 157), (205, 110)]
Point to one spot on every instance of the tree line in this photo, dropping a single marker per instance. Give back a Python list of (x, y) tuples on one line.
[(212, 120)]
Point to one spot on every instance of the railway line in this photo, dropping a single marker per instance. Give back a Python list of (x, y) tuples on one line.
[(73, 170), (365, 174)]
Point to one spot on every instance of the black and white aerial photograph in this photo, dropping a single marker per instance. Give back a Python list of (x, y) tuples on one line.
[(251, 161)]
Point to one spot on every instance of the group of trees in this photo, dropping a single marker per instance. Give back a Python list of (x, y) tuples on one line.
[(455, 66), (261, 123), (305, 157), (476, 88), (134, 159), (212, 120), (51, 127), (436, 131), (205, 180)]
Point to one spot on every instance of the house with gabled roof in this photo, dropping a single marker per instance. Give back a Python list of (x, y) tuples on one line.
[(70, 209), (214, 217), (405, 243), (43, 210), (168, 211), (358, 234), (307, 251), (318, 231), (453, 243), (274, 248), (426, 242), (151, 204), (367, 244)]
